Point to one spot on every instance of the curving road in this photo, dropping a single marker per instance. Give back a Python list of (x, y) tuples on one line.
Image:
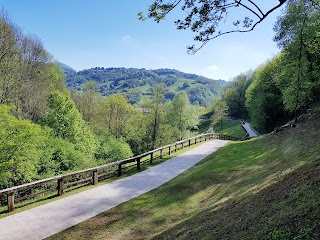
[(250, 131), (51, 218)]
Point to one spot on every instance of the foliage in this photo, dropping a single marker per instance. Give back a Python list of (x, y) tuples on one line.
[(113, 113), (155, 118), (263, 97), (66, 122), (60, 156), (285, 86), (88, 100), (235, 95), (21, 145), (269, 185), (27, 73), (182, 114), (111, 149), (296, 31), (220, 112), (134, 83), (83, 129), (204, 17), (136, 131)]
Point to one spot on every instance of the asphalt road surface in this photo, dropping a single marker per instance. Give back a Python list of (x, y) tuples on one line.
[(46, 220)]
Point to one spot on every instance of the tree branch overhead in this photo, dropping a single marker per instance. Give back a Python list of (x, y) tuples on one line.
[(208, 18)]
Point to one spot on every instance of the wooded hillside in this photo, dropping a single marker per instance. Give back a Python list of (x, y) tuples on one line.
[(285, 86), (134, 83)]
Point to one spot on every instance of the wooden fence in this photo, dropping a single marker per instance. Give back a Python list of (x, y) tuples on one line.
[(92, 175)]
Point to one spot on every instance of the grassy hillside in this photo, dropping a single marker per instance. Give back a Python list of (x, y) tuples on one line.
[(230, 127), (267, 188), (135, 83)]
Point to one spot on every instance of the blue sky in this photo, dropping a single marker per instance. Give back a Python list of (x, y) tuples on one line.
[(105, 33)]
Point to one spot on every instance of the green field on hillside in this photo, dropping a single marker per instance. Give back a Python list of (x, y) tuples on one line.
[(267, 188), (230, 127)]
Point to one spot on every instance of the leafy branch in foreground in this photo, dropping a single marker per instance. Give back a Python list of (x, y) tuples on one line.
[(204, 17)]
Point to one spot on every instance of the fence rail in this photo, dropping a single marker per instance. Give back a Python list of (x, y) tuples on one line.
[(95, 173)]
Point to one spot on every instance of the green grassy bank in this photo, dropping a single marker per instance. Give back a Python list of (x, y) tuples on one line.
[(268, 188), (230, 127)]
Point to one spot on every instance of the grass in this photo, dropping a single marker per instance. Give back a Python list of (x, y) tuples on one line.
[(266, 188), (50, 197), (229, 127)]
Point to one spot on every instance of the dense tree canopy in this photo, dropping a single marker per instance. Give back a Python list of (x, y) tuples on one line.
[(286, 85), (182, 114), (20, 148), (135, 84), (235, 95), (67, 123), (47, 130), (297, 32), (27, 72)]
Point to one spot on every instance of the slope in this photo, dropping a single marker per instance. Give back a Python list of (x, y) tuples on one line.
[(267, 188), (135, 83)]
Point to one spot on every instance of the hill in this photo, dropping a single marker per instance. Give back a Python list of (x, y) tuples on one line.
[(66, 68), (135, 83), (266, 188)]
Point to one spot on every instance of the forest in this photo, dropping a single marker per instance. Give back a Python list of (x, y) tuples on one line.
[(136, 84), (47, 129), (285, 86)]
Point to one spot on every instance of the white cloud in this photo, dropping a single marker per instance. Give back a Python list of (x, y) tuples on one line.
[(213, 67), (127, 38)]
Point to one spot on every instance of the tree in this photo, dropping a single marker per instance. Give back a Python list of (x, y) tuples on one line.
[(113, 114), (88, 101), (21, 145), (220, 112), (181, 114), (264, 99), (111, 149), (234, 95), (27, 73), (135, 134), (296, 32), (9, 59), (155, 116), (66, 122), (204, 17)]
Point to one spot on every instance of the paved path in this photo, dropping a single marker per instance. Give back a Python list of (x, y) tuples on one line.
[(251, 132), (51, 218)]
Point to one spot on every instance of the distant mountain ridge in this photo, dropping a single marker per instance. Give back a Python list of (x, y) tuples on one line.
[(134, 83)]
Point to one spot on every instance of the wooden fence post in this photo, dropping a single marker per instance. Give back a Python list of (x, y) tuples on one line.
[(175, 147), (161, 154), (189, 142), (60, 187), (95, 177), (151, 158), (169, 150), (119, 170), (138, 163), (10, 199)]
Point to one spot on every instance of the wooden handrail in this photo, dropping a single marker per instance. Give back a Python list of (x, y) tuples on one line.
[(94, 170)]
